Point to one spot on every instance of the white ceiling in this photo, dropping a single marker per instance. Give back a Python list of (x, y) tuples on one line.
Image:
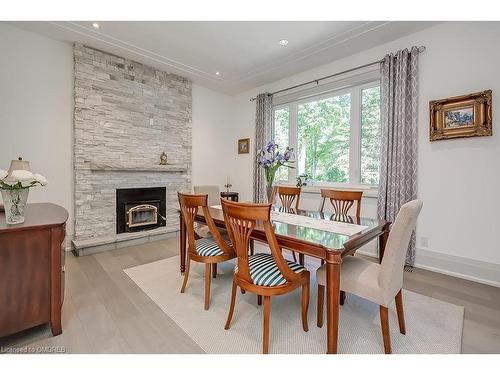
[(247, 54)]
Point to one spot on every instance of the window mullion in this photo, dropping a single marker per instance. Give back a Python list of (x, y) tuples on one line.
[(355, 140), (293, 142)]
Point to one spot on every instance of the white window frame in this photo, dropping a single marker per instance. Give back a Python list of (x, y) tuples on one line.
[(355, 137)]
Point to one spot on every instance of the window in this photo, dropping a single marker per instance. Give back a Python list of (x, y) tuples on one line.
[(281, 136), (323, 128), (370, 135), (336, 136)]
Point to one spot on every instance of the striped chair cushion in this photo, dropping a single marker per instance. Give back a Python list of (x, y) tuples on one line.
[(265, 272), (207, 247)]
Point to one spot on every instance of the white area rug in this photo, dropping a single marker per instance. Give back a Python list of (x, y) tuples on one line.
[(432, 326)]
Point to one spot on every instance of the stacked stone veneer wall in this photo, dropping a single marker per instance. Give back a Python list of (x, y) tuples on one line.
[(127, 114)]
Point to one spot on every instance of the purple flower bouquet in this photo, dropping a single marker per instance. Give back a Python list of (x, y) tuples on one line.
[(271, 159)]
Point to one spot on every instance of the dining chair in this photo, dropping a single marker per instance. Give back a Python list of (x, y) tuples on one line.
[(380, 283), (209, 250), (287, 195), (213, 193), (264, 274), (341, 200)]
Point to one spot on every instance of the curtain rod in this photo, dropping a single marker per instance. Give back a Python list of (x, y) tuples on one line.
[(420, 49)]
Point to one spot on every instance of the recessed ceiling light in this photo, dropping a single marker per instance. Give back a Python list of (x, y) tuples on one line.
[(217, 73), (95, 25), (283, 42)]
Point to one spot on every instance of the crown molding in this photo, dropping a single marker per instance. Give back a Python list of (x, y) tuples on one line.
[(313, 50), (362, 35), (131, 48), (309, 51)]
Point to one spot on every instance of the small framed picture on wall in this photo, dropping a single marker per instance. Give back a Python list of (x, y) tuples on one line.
[(244, 146), (461, 116)]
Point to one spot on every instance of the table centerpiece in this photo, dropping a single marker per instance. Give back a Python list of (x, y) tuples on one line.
[(271, 159)]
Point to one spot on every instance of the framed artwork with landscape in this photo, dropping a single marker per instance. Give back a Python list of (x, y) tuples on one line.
[(461, 116), (244, 146)]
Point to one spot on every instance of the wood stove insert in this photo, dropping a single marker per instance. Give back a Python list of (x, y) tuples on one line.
[(140, 209)]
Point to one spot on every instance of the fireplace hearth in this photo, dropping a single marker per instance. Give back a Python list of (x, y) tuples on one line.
[(140, 209)]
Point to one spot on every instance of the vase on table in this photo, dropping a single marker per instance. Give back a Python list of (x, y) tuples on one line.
[(15, 186), (271, 159), (14, 201), (270, 193)]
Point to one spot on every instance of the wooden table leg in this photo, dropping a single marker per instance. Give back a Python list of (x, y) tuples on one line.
[(252, 246), (182, 243), (301, 259), (382, 241), (214, 270), (333, 262), (342, 297)]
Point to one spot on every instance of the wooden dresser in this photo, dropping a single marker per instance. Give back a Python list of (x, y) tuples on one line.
[(32, 269)]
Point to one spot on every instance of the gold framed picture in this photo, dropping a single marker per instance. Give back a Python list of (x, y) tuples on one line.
[(244, 146), (461, 116)]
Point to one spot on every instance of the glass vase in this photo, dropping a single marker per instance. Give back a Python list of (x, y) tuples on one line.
[(14, 203), (270, 193)]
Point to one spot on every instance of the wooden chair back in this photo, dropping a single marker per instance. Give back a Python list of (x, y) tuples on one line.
[(287, 195), (189, 204), (341, 201), (241, 219)]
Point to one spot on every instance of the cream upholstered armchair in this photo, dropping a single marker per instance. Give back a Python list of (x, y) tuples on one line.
[(379, 283), (213, 193)]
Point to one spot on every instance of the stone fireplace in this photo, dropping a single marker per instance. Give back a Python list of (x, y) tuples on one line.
[(126, 115)]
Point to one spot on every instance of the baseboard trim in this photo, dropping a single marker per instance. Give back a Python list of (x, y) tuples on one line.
[(452, 265), (464, 268)]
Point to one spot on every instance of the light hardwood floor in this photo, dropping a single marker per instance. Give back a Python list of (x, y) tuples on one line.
[(105, 312)]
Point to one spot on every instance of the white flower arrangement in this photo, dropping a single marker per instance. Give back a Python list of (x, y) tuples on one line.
[(40, 179), (21, 179)]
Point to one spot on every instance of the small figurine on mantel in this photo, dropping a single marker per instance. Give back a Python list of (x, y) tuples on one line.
[(163, 158)]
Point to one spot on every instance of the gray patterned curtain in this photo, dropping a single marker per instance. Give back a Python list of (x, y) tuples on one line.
[(263, 133), (398, 163)]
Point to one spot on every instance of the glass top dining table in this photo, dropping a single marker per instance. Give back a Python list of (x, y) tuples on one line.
[(329, 246), (328, 240)]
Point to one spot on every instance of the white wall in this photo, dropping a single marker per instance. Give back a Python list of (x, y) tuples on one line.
[(214, 144), (457, 179), (36, 106)]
